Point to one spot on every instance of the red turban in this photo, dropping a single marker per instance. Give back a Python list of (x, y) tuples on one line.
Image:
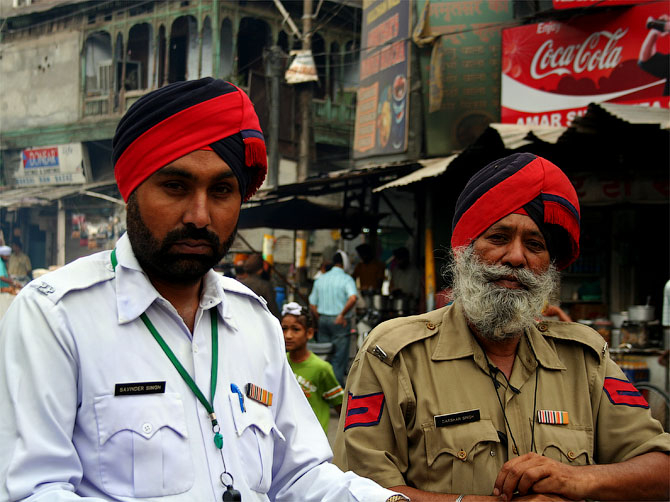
[(525, 183), (182, 117)]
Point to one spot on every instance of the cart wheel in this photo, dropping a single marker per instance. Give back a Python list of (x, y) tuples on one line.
[(659, 403)]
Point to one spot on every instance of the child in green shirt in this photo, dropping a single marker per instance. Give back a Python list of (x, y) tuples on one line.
[(315, 376)]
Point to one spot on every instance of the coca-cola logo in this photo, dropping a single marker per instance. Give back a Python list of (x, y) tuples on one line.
[(578, 58)]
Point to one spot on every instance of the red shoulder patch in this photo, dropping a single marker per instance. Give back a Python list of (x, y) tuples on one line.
[(364, 411), (624, 392)]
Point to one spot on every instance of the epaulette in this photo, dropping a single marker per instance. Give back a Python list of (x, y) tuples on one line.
[(231, 285), (575, 332), (390, 337), (77, 275)]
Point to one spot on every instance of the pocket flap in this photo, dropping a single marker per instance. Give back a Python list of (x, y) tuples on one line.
[(141, 414), (255, 414), (573, 444), (454, 438)]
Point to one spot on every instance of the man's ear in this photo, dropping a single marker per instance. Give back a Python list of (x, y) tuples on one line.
[(310, 333)]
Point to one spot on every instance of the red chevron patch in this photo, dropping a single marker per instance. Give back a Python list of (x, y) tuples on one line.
[(364, 411), (624, 392)]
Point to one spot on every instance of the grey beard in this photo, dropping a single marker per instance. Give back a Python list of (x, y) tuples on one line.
[(499, 313)]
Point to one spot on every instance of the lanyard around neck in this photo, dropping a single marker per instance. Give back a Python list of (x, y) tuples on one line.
[(209, 405)]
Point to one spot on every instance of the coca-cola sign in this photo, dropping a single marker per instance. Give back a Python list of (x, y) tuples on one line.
[(576, 58), (551, 71)]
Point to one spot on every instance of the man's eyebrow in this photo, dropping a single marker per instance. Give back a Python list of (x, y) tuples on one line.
[(501, 227), (170, 170), (175, 171)]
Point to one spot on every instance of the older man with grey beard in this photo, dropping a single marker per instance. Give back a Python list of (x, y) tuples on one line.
[(480, 400)]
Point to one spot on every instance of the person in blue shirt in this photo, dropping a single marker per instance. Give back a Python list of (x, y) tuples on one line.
[(332, 298)]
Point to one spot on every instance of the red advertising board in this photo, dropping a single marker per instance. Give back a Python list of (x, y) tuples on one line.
[(551, 71), (575, 4)]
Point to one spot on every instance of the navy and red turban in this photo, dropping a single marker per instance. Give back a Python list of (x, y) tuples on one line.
[(182, 117), (527, 184)]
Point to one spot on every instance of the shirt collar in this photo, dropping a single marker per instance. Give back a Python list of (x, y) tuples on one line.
[(135, 293), (456, 341)]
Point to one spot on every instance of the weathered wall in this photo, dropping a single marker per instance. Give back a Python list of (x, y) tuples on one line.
[(40, 81)]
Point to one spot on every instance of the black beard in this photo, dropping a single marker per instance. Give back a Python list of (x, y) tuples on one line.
[(155, 257)]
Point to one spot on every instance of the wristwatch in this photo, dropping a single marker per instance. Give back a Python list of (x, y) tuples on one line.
[(397, 498)]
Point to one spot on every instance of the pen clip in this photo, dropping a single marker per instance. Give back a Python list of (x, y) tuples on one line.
[(234, 388)]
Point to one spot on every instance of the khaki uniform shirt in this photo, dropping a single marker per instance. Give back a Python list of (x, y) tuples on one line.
[(422, 408)]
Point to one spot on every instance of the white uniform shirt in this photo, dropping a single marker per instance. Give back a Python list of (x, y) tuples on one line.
[(71, 336)]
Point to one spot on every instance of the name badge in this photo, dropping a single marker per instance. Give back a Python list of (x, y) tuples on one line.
[(134, 388), (456, 418)]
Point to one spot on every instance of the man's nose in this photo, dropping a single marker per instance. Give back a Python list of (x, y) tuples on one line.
[(514, 254), (197, 212)]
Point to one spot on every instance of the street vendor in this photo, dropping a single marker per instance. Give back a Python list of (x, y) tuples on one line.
[(481, 401), (140, 373)]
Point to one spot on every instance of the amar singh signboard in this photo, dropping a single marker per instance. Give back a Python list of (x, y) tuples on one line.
[(551, 71), (383, 95)]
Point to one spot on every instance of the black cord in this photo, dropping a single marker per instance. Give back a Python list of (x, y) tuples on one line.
[(516, 391), (534, 417), (495, 387)]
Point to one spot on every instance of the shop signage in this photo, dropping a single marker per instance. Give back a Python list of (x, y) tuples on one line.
[(51, 165), (383, 95), (461, 71), (551, 71), (601, 191)]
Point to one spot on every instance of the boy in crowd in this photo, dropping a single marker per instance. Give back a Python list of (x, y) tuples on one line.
[(315, 376)]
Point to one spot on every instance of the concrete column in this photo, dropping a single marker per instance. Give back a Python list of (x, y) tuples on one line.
[(60, 234)]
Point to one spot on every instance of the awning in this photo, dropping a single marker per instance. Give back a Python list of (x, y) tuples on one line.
[(431, 168), (46, 195), (637, 114), (630, 124), (517, 135), (368, 176), (302, 214)]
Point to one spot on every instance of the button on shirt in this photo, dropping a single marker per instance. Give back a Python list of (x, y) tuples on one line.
[(71, 337), (331, 291)]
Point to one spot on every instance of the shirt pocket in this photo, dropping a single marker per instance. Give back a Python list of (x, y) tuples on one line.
[(457, 450), (256, 432), (143, 445), (569, 445)]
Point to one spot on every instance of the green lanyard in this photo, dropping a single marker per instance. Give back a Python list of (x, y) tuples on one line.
[(209, 406)]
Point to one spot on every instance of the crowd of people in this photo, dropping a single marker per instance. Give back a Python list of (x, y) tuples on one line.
[(142, 374)]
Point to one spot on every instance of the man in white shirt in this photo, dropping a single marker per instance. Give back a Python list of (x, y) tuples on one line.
[(140, 373)]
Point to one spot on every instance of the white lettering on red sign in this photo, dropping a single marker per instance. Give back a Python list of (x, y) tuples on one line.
[(548, 28), (578, 57)]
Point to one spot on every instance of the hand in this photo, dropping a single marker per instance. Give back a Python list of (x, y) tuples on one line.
[(533, 473), (340, 320), (555, 310)]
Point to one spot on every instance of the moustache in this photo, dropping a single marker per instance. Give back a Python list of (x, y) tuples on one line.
[(525, 277), (191, 232)]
